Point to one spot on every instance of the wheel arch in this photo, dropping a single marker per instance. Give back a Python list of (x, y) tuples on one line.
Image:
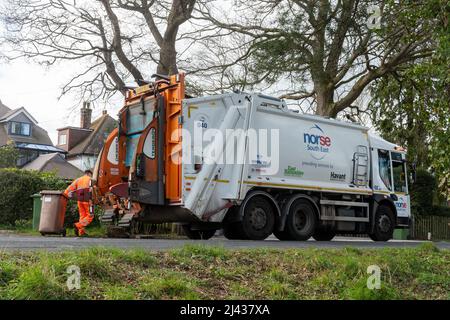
[(265, 194)]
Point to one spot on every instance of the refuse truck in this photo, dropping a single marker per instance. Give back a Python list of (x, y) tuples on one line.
[(247, 164)]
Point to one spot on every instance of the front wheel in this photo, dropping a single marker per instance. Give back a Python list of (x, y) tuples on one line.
[(384, 224), (198, 234)]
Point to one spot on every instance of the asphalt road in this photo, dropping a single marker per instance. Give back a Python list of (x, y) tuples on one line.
[(17, 242)]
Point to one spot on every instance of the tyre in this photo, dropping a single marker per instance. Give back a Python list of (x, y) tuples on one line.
[(258, 219), (324, 234), (233, 231), (301, 221), (384, 224), (282, 235), (198, 234)]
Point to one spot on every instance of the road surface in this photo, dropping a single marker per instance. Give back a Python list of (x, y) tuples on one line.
[(18, 242)]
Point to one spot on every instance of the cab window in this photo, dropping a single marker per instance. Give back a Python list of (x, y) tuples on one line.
[(384, 166), (399, 171)]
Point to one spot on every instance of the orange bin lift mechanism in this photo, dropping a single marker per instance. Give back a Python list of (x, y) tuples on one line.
[(174, 97), (173, 93)]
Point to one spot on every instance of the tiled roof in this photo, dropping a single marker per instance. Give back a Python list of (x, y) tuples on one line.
[(38, 134), (56, 163), (94, 142), (3, 109)]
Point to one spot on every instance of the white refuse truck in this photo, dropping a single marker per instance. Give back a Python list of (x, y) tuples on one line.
[(249, 165)]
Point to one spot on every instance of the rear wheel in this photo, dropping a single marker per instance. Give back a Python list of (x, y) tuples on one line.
[(258, 219), (282, 235), (233, 231), (301, 221), (198, 234), (384, 224), (324, 234)]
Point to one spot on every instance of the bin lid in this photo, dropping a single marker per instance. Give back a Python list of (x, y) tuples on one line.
[(36, 195), (51, 192)]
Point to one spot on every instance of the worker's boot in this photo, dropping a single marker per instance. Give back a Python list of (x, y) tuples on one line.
[(75, 230), (82, 233)]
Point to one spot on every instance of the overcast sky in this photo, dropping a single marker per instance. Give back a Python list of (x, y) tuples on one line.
[(24, 84)]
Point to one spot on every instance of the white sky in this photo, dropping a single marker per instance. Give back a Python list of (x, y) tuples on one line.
[(25, 84)]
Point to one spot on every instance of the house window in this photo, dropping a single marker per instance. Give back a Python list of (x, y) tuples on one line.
[(20, 128), (62, 139)]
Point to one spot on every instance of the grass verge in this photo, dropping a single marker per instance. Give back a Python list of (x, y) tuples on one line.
[(197, 272)]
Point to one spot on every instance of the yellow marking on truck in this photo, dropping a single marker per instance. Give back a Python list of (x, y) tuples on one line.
[(297, 186), (189, 109), (215, 180), (389, 193)]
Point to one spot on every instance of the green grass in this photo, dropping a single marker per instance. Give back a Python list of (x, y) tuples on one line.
[(205, 272)]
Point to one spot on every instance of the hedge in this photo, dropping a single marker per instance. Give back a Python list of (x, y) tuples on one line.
[(423, 192), (16, 188)]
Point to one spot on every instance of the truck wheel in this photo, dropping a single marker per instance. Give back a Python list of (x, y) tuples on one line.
[(324, 234), (384, 224), (197, 234), (233, 231), (282, 235), (301, 220), (258, 220)]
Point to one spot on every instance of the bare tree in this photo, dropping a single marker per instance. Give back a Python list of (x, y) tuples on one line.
[(325, 52), (116, 42)]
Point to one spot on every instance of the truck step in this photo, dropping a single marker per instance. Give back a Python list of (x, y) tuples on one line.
[(125, 222), (108, 217)]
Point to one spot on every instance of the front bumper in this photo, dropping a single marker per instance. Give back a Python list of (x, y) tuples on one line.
[(403, 222)]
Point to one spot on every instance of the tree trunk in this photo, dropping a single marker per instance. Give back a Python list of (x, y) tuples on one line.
[(168, 54), (325, 105), (167, 60)]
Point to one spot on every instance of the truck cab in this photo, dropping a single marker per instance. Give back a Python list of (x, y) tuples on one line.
[(389, 178)]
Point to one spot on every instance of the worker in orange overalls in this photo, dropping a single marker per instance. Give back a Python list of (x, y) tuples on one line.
[(81, 186)]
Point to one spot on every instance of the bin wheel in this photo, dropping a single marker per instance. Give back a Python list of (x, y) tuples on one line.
[(43, 234), (64, 233)]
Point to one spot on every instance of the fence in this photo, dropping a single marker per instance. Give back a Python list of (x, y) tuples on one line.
[(439, 227)]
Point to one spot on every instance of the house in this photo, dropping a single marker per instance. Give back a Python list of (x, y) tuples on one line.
[(54, 162), (18, 126), (83, 144)]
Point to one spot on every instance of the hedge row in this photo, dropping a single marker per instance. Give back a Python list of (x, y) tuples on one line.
[(424, 195), (16, 188)]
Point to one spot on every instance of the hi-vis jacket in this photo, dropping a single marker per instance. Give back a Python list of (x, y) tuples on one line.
[(81, 187)]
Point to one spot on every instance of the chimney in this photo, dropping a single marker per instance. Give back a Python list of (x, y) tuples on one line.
[(85, 115)]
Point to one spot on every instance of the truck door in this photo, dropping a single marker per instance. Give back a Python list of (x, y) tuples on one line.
[(147, 166), (400, 184)]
